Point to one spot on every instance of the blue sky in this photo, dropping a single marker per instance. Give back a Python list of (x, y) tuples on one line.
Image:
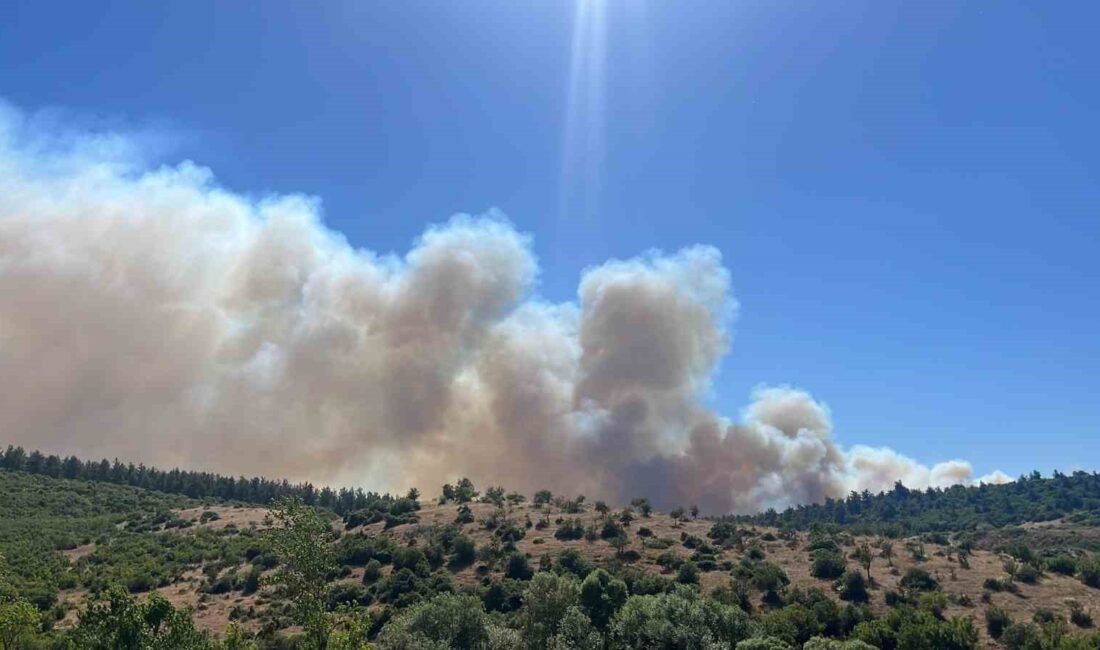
[(905, 194)]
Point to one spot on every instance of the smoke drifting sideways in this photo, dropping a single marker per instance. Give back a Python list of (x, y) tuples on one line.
[(150, 315)]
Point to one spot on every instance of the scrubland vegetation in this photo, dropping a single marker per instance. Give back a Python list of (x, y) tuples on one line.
[(105, 556)]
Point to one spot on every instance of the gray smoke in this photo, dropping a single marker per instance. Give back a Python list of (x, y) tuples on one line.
[(151, 315)]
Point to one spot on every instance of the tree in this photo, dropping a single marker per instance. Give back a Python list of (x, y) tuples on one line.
[(17, 618), (446, 621), (619, 543), (494, 495), (543, 497), (863, 556), (887, 551), (694, 512), (545, 602), (688, 574), (827, 565), (853, 587), (601, 596), (681, 619), (576, 632), (518, 567), (770, 579), (642, 505), (351, 629), (463, 552), (304, 544), (116, 621), (464, 491)]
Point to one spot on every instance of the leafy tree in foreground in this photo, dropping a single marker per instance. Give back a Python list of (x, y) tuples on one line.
[(305, 546), (444, 622), (601, 596), (682, 619), (119, 622), (17, 618)]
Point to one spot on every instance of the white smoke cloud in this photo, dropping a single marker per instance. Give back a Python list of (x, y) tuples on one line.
[(151, 315)]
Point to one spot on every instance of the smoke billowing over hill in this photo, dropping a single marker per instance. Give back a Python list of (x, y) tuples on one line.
[(149, 314)]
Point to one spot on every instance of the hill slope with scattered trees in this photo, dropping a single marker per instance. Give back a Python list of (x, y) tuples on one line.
[(95, 562)]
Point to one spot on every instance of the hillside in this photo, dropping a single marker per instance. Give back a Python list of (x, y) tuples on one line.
[(1074, 497), (663, 580)]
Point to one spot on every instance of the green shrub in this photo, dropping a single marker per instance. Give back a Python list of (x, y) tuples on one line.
[(853, 587), (518, 568), (688, 574), (917, 579), (997, 621), (827, 565), (1062, 564), (1088, 569), (1028, 574)]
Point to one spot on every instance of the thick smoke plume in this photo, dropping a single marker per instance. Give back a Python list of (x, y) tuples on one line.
[(149, 314)]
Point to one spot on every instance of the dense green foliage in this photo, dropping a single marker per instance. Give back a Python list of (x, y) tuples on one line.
[(196, 485), (902, 511)]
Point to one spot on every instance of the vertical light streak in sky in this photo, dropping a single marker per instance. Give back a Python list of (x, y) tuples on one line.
[(584, 147)]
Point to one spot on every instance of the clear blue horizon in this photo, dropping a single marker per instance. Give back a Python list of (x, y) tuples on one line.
[(905, 194)]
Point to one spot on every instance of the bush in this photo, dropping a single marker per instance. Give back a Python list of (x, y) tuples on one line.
[(918, 629), (795, 624), (251, 582), (611, 530), (678, 620), (917, 579), (1088, 569), (463, 552), (1062, 564), (669, 560), (994, 584), (688, 574), (1022, 636), (569, 529), (1028, 574), (853, 587), (997, 621), (142, 582), (372, 572), (572, 561), (770, 579), (1077, 614), (827, 565), (518, 567)]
